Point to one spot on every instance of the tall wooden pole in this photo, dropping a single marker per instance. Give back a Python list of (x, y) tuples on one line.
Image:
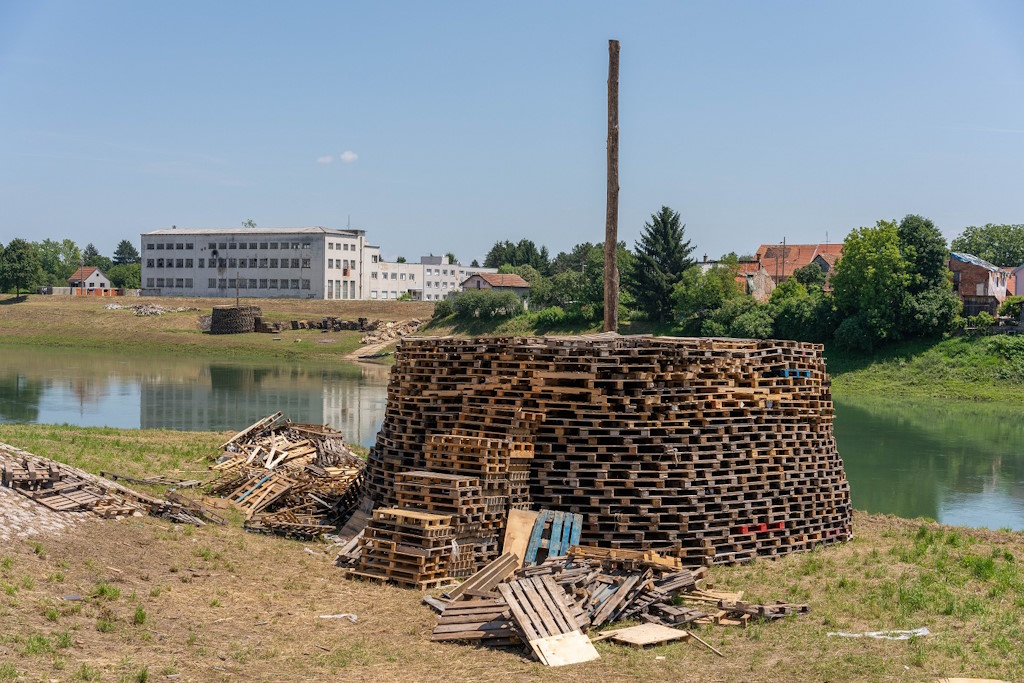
[(611, 228)]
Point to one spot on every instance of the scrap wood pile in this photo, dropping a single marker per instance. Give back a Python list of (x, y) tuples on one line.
[(720, 449), (332, 324), (287, 478), (390, 331), (551, 606), (63, 488)]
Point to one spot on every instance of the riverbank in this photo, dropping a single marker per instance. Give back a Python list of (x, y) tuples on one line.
[(216, 602), (86, 323)]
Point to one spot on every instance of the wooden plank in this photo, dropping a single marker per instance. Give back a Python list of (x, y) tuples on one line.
[(555, 542), (564, 648), (488, 577), (648, 634), (552, 621), (523, 620), (535, 536), (518, 530)]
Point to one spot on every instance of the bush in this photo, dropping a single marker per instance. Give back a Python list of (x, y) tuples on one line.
[(853, 335), (443, 309), (550, 317), (485, 304), (981, 323), (1012, 307)]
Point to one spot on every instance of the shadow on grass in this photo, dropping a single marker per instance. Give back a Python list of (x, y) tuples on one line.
[(14, 300), (840, 361)]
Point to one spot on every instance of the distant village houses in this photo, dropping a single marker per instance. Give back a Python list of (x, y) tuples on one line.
[(981, 285), (499, 282), (89, 280)]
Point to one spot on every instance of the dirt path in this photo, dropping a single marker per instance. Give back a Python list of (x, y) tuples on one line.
[(368, 350)]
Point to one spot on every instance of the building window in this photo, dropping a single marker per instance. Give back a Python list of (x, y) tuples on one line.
[(231, 283), (346, 246), (273, 263), (252, 245), (273, 284), (160, 246), (412, 276), (295, 284), (189, 245), (189, 263), (212, 283), (263, 263), (305, 245), (252, 283), (222, 283), (149, 282), (202, 263), (394, 276), (330, 289), (330, 264), (179, 282), (159, 282), (149, 263), (188, 283), (263, 283), (179, 263), (373, 293), (373, 258), (222, 263), (212, 245), (263, 245), (402, 276), (330, 245), (232, 263), (305, 263), (223, 245), (344, 288), (242, 245), (305, 284), (373, 275), (295, 263), (159, 263), (252, 263), (181, 247), (150, 246), (233, 245), (295, 245)]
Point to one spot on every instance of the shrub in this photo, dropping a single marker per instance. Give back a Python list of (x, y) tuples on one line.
[(443, 309), (1012, 307), (853, 335), (486, 304), (550, 317), (981, 323)]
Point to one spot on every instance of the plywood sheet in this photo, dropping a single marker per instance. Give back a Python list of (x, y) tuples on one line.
[(563, 649), (517, 533), (648, 634)]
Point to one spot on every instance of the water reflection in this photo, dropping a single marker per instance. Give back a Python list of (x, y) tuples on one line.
[(957, 462), (187, 394)]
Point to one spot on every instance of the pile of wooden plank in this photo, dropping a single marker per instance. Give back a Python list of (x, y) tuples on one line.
[(63, 488), (714, 450), (406, 547), (586, 589), (291, 479)]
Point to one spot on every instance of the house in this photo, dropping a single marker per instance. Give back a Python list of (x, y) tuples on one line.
[(89, 280), (980, 285), (501, 282), (1015, 285), (782, 260)]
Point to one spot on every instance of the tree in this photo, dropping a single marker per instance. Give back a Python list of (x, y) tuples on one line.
[(128, 276), (930, 306), (523, 253), (661, 259), (698, 294), (20, 266), (49, 262), (400, 259), (452, 259), (249, 224), (574, 260), (92, 257), (1002, 245), (89, 253), (870, 282), (474, 264), (126, 253), (70, 258), (810, 276)]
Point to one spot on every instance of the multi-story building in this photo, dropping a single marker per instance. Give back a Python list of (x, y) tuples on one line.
[(313, 263)]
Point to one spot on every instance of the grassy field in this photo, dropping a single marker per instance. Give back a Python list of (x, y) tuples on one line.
[(85, 323), (218, 604)]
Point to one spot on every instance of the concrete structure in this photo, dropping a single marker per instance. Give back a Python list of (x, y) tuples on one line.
[(89, 280), (980, 285), (432, 279), (499, 282), (308, 263)]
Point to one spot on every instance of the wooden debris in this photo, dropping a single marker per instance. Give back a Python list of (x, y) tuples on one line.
[(406, 547), (485, 580), (644, 635), (291, 479)]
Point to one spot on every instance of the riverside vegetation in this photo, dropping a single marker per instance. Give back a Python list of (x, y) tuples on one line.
[(160, 599)]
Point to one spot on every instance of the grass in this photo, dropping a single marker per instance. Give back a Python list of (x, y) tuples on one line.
[(258, 620), (84, 324)]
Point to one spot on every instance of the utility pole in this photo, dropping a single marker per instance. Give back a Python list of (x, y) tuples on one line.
[(611, 228)]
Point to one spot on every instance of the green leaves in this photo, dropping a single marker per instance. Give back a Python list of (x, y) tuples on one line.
[(661, 258)]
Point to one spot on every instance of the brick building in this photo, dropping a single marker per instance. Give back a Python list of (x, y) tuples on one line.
[(980, 285)]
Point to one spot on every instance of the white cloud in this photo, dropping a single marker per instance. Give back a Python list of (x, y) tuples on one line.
[(325, 160), (348, 156)]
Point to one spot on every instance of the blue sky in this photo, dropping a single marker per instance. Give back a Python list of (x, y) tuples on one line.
[(469, 122)]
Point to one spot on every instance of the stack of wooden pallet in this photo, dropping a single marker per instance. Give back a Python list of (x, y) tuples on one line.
[(291, 479), (719, 450), (406, 547)]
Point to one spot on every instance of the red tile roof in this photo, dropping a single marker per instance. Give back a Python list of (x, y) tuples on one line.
[(82, 274), (504, 280), (780, 263)]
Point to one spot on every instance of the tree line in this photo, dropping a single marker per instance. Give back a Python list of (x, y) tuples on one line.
[(25, 265), (892, 283)]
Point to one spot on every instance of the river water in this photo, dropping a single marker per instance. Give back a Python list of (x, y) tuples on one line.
[(954, 461)]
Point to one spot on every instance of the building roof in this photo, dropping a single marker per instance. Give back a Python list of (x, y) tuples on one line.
[(502, 279), (975, 261), (781, 260), (255, 231), (82, 273)]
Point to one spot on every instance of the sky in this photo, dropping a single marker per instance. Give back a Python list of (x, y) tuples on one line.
[(446, 126)]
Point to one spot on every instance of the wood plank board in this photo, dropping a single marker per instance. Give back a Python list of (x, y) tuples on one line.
[(518, 529), (647, 634), (564, 649)]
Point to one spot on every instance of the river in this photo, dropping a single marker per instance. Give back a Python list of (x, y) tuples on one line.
[(956, 462)]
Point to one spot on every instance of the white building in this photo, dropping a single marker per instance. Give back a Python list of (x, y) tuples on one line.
[(89, 280), (313, 263)]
